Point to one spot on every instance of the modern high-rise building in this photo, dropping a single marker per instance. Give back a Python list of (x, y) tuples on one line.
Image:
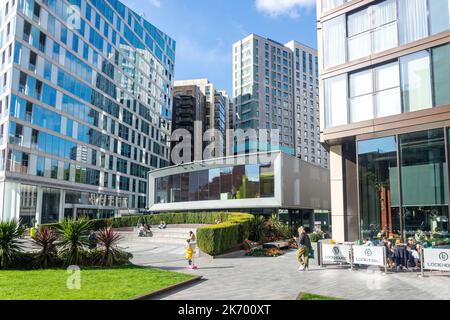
[(216, 109), (385, 102), (275, 86), (189, 104), (85, 108)]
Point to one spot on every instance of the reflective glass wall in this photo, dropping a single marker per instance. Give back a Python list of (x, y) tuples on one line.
[(379, 203), (228, 183), (415, 203)]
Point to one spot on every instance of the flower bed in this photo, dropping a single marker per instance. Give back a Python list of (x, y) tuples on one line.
[(260, 252)]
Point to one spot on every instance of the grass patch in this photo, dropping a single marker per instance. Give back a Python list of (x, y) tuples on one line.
[(121, 283), (315, 297)]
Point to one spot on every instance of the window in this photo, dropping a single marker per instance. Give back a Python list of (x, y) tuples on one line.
[(416, 81), (439, 15), (336, 101), (424, 181), (361, 98), (334, 41), (385, 26), (378, 196), (372, 30), (441, 75), (387, 99), (412, 20), (358, 29)]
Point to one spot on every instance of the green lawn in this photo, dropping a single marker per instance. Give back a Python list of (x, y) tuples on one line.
[(96, 284), (309, 297)]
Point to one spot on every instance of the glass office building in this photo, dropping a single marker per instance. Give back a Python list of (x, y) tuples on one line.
[(386, 110), (85, 108)]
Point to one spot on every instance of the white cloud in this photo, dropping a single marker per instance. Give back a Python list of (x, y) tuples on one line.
[(155, 3), (276, 8)]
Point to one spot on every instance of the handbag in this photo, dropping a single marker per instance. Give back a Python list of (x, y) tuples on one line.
[(311, 254)]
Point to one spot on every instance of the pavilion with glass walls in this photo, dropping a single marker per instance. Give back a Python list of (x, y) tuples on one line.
[(403, 184), (280, 184)]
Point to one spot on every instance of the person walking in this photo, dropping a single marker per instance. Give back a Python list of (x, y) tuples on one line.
[(304, 245), (190, 255)]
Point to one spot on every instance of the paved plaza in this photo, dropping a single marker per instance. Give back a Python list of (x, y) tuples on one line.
[(248, 278)]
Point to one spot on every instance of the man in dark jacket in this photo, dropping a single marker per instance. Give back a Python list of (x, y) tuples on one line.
[(304, 245)]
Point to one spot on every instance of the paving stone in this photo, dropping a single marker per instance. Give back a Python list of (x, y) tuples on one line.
[(248, 278)]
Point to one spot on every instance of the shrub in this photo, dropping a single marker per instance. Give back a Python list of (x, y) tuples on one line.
[(46, 242), (277, 230), (108, 241), (10, 233), (220, 238), (74, 240), (314, 237), (260, 252), (259, 229), (23, 261), (155, 219)]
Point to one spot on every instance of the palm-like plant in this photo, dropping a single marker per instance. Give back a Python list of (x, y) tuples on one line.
[(108, 241), (74, 239), (10, 233), (46, 242), (259, 229)]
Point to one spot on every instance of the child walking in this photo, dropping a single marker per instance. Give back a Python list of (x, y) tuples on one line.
[(190, 254)]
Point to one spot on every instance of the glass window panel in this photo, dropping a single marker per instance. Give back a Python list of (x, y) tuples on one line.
[(387, 76), (214, 184), (441, 75), (226, 181), (336, 101), (378, 184), (330, 4), (412, 20), (267, 180), (334, 41), (361, 83), (359, 46), (388, 102), (361, 108), (384, 13), (439, 15), (385, 37), (203, 183), (251, 181), (416, 81), (238, 188), (184, 187), (424, 181), (174, 188), (358, 22), (194, 186)]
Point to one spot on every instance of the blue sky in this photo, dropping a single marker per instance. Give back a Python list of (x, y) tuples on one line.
[(205, 30)]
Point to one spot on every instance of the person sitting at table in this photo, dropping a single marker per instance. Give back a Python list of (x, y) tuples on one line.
[(400, 255)]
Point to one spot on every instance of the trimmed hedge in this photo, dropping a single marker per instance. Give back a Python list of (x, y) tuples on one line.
[(213, 240), (155, 219), (220, 238)]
